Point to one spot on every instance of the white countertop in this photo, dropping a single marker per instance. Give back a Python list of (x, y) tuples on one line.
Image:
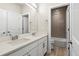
[(6, 48)]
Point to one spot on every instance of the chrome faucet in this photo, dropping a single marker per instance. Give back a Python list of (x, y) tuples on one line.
[(15, 37), (12, 37), (34, 33)]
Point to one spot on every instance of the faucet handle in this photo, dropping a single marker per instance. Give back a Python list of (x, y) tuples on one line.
[(3, 33), (8, 32)]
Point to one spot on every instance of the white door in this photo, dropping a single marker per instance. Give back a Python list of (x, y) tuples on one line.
[(74, 25), (25, 24)]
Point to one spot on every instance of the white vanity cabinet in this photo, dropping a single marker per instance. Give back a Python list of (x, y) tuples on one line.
[(42, 46), (40, 49), (36, 48)]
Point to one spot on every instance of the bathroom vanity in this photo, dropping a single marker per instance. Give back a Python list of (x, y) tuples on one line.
[(25, 45)]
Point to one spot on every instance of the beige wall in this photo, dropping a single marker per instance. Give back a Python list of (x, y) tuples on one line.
[(11, 7)]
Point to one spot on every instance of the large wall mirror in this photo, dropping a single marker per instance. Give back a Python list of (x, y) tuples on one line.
[(13, 23)]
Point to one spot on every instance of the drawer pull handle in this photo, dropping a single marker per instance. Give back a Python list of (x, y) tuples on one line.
[(43, 45)]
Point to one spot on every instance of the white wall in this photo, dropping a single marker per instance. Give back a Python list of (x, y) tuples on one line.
[(75, 20), (74, 26)]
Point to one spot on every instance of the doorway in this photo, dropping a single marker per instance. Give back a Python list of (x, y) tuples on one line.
[(58, 22), (59, 30), (25, 24)]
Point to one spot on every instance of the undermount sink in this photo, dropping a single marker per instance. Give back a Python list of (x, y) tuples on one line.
[(18, 41), (35, 34)]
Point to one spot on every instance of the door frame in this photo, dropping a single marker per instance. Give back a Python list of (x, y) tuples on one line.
[(28, 13), (49, 24)]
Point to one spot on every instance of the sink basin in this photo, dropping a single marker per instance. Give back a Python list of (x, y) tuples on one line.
[(18, 41), (35, 34)]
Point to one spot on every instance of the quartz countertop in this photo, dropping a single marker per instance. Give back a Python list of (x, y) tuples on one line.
[(6, 48)]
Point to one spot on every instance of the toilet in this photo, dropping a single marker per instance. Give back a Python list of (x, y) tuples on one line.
[(60, 42)]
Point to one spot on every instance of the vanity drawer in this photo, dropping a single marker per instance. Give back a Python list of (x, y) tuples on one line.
[(19, 52)]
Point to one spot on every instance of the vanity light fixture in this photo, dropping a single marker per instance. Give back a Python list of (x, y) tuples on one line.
[(32, 5)]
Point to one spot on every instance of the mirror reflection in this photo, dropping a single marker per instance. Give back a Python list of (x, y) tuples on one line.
[(17, 18)]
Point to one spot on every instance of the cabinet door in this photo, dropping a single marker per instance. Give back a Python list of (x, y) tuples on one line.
[(33, 52), (40, 49), (44, 47)]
